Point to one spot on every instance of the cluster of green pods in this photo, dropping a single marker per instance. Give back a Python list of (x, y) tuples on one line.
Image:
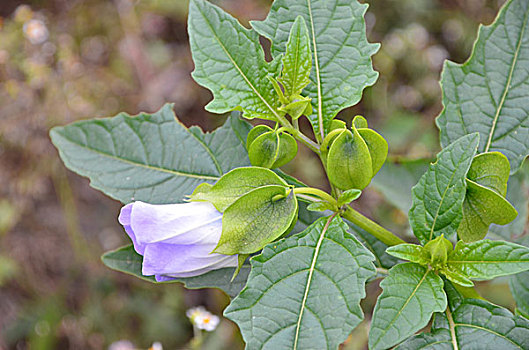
[(352, 157)]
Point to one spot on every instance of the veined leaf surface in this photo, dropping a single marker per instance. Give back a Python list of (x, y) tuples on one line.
[(341, 54), (488, 93), (230, 62), (150, 157), (304, 291)]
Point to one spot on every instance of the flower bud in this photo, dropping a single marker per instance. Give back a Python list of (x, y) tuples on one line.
[(272, 149), (438, 250), (354, 156)]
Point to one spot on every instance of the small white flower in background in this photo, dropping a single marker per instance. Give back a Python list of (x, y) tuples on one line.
[(203, 319), (122, 345), (35, 31), (156, 346)]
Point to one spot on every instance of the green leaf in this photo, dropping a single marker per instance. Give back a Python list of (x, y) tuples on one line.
[(396, 179), (438, 339), (481, 208), (297, 297), (487, 259), (488, 93), (341, 54), (477, 324), (256, 219), (439, 195), (411, 294), (229, 61), (150, 157), (125, 259), (348, 196), (297, 62), (490, 170), (235, 184), (411, 252)]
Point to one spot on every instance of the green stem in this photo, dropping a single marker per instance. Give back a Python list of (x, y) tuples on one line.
[(315, 192), (371, 227)]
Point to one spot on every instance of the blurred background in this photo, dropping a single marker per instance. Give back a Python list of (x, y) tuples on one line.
[(67, 60)]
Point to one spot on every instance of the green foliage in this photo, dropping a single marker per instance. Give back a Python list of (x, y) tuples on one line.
[(297, 297), (230, 62), (234, 185), (256, 219), (150, 157), (411, 294), (487, 259), (473, 321), (341, 54), (297, 61), (126, 260), (487, 93), (439, 195)]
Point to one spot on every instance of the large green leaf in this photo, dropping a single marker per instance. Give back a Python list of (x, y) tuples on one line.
[(150, 157), (477, 324), (488, 93), (487, 259), (303, 292), (125, 259), (411, 294), (230, 62), (439, 195), (341, 54)]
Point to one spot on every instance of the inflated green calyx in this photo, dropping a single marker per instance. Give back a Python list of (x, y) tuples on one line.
[(354, 156), (271, 149)]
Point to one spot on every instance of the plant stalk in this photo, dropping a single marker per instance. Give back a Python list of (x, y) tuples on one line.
[(371, 227)]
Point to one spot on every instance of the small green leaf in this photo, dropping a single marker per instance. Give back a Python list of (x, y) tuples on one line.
[(348, 196), (297, 61), (235, 184), (481, 208), (125, 259), (320, 206), (411, 294), (151, 157), (298, 107), (349, 162), (487, 259), (341, 54), (411, 252), (256, 219), (230, 62), (457, 277), (488, 93), (296, 297), (439, 195)]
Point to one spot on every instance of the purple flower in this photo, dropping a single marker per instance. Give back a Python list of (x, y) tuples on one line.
[(175, 239)]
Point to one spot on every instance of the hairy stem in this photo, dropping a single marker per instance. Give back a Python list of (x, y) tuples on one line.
[(371, 227)]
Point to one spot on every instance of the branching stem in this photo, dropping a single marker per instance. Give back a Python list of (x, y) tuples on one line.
[(315, 192)]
